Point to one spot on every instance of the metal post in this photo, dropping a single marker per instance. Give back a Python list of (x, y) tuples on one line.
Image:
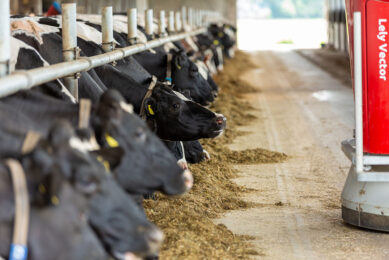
[(34, 77), (171, 27), (69, 44), (183, 17), (149, 22), (132, 26), (197, 18), (107, 29), (190, 17), (5, 38), (162, 24), (201, 18), (178, 22), (358, 92)]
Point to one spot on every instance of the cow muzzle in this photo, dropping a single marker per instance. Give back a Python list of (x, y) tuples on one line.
[(188, 179), (221, 122), (154, 239)]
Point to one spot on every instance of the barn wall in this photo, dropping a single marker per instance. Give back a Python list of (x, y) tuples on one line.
[(226, 7), (26, 6)]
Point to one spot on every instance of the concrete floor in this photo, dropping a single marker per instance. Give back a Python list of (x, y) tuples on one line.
[(304, 113)]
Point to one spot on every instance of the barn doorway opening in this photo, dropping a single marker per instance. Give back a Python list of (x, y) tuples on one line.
[(281, 24)]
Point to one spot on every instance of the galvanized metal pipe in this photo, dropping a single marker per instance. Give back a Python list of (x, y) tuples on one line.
[(171, 27), (183, 17), (132, 25), (107, 29), (27, 79), (5, 38), (69, 44), (162, 24), (190, 17), (178, 22), (149, 24), (358, 92)]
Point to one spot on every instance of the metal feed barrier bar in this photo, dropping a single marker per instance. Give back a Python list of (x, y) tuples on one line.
[(73, 65)]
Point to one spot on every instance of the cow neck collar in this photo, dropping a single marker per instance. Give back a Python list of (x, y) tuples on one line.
[(153, 83), (168, 78), (18, 250)]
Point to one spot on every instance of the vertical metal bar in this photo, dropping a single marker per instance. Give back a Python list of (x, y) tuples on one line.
[(132, 26), (162, 24), (201, 14), (358, 91), (183, 17), (171, 27), (190, 17), (149, 22), (178, 22), (5, 38), (69, 44), (107, 29)]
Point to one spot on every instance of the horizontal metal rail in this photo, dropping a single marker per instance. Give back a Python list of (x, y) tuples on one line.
[(27, 79)]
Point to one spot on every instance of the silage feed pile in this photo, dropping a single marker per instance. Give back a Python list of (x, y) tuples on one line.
[(187, 220)]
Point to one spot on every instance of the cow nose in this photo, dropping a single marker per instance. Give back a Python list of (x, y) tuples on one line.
[(131, 256), (154, 238), (188, 179), (221, 120), (215, 93)]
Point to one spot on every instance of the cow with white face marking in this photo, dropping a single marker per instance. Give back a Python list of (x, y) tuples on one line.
[(145, 156), (225, 35), (184, 74), (188, 120)]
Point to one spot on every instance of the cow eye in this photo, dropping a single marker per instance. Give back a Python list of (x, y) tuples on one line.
[(86, 184), (140, 135), (176, 106)]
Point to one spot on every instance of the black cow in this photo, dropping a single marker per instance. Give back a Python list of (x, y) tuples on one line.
[(145, 156), (198, 122), (185, 76), (115, 218), (187, 152), (225, 35)]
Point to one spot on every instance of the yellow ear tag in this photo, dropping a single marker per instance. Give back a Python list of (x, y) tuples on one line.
[(150, 110), (111, 141), (179, 67), (215, 42), (220, 34), (54, 200), (42, 188), (105, 163)]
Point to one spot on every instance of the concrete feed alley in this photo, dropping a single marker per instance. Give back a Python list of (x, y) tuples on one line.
[(306, 113)]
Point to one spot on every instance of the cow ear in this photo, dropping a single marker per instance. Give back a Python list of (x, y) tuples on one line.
[(179, 61), (50, 181), (150, 106), (110, 157)]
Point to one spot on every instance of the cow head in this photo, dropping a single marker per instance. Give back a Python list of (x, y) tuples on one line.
[(225, 35), (147, 165), (115, 217), (186, 78), (176, 118), (57, 210)]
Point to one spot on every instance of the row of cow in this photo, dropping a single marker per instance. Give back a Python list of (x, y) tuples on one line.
[(89, 164)]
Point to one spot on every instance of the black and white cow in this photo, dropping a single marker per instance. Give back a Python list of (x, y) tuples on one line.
[(118, 223), (185, 76), (225, 35), (144, 154), (190, 120)]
